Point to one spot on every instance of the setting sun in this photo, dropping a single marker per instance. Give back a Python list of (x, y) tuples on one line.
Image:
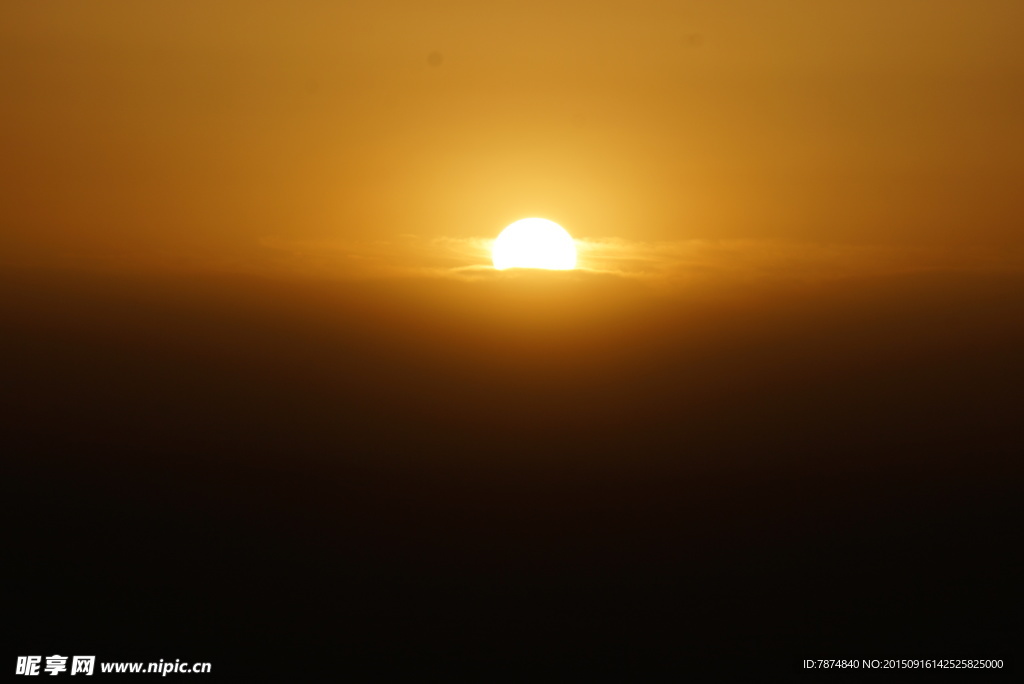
[(534, 243), (740, 387)]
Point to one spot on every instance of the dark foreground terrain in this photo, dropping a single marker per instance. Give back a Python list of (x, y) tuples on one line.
[(507, 479)]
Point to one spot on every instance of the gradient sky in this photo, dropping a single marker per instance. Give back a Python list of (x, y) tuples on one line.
[(198, 128), (265, 403)]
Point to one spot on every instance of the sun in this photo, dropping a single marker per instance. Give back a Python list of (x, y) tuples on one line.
[(534, 243)]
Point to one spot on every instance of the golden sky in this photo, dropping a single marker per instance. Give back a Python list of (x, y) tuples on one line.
[(264, 396), (215, 129)]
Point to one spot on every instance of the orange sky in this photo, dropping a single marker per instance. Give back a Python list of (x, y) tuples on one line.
[(264, 397), (211, 128)]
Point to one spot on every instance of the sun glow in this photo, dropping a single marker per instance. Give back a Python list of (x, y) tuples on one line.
[(534, 243)]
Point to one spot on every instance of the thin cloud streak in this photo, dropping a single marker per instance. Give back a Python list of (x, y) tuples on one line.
[(660, 263), (670, 265)]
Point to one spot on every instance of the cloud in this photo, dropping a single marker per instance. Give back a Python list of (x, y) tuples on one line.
[(404, 255), (659, 263), (668, 264)]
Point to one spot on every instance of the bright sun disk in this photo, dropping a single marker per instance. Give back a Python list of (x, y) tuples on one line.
[(534, 243)]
